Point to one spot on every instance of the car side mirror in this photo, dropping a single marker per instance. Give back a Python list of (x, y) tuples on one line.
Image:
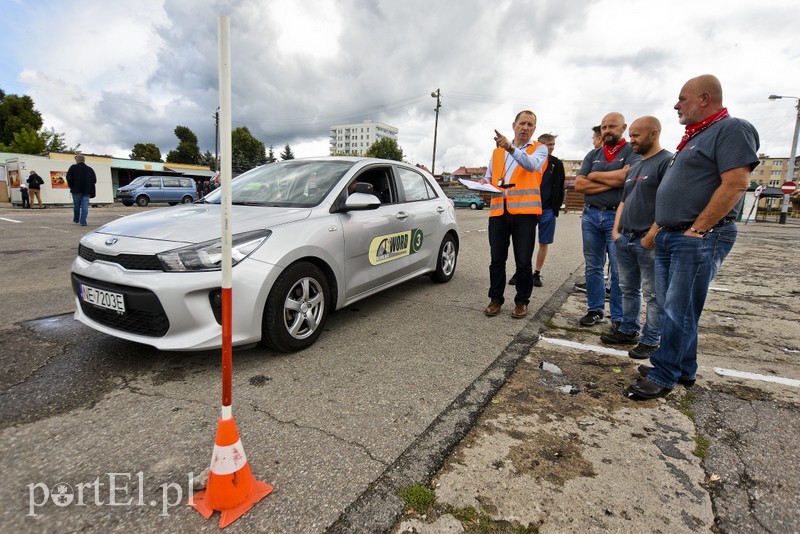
[(361, 201)]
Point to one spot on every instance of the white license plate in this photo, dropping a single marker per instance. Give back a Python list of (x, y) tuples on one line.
[(103, 299)]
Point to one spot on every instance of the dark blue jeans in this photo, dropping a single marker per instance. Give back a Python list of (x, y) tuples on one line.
[(80, 208), (636, 281), (596, 228), (685, 267), (521, 230)]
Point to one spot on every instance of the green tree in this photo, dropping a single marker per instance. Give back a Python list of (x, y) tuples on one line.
[(187, 150), (26, 141), (287, 153), (146, 152), (209, 160), (386, 149), (17, 114), (271, 156), (247, 152)]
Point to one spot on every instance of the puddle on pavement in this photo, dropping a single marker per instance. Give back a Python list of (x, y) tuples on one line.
[(550, 368)]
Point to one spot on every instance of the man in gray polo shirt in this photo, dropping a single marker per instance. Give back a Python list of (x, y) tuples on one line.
[(634, 234), (600, 179), (696, 204)]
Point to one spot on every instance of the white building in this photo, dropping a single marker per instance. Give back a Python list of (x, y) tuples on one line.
[(355, 139)]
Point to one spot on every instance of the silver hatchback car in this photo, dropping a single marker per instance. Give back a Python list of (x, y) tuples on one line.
[(309, 236)]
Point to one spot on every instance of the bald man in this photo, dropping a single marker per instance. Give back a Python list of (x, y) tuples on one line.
[(633, 234), (600, 179), (696, 205)]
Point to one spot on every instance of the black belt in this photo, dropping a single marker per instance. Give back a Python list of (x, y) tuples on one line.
[(634, 234), (608, 208), (684, 227)]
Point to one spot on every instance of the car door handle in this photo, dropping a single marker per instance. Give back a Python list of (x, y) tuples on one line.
[(439, 209), (402, 215)]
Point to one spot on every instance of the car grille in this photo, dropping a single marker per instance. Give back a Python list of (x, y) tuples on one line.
[(132, 262), (143, 315)]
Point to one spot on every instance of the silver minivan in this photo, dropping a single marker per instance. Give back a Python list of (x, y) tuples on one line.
[(147, 189)]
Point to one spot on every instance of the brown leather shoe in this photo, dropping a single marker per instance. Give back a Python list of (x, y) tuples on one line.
[(520, 311), (492, 309)]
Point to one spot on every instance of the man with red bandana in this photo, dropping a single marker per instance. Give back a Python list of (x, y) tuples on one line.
[(696, 204), (600, 179)]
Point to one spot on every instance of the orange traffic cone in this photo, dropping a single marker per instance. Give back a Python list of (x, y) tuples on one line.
[(231, 487)]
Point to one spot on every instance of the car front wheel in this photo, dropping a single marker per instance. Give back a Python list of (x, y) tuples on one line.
[(473, 206), (142, 201), (297, 308), (446, 263)]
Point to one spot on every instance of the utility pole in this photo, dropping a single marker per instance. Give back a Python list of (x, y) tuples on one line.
[(216, 140), (790, 170), (437, 95)]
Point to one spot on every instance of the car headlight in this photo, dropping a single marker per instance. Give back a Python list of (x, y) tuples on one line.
[(208, 256)]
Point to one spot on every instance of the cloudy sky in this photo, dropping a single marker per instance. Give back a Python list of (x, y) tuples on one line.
[(111, 74)]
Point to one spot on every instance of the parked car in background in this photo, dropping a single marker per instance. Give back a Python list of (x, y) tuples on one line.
[(468, 200), (310, 236), (145, 190)]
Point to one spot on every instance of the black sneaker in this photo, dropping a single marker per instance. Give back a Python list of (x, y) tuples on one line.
[(537, 280), (580, 287), (591, 318), (619, 338), (513, 280), (642, 351)]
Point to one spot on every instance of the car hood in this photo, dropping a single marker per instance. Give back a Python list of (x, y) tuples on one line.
[(199, 222)]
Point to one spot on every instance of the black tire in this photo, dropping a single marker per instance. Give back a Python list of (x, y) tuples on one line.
[(296, 309), (142, 201), (187, 200), (172, 203), (446, 261), (473, 206), (127, 203)]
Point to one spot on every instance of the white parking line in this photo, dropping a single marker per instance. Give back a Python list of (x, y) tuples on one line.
[(718, 370), (9, 220)]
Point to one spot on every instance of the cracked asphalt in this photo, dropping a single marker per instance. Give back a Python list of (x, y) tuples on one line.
[(397, 391)]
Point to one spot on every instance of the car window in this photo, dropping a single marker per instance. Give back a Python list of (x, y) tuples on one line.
[(382, 183), (414, 185), (172, 182), (293, 183), (154, 182), (187, 182)]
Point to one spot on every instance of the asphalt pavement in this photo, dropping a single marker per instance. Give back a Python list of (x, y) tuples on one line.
[(511, 424)]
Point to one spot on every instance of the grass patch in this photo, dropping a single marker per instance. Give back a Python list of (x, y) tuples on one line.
[(417, 498), (701, 445), (686, 404), (476, 522)]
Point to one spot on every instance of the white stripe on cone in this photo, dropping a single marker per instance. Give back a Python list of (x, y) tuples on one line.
[(228, 459)]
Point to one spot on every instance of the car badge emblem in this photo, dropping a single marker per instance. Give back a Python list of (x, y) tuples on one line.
[(111, 241)]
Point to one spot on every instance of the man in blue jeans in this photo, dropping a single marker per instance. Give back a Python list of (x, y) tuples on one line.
[(600, 179), (81, 180), (634, 233), (696, 204)]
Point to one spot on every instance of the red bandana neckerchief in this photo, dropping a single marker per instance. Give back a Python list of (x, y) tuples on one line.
[(611, 151), (696, 128)]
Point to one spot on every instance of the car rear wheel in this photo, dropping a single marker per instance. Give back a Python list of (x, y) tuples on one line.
[(142, 201), (186, 200), (297, 308), (446, 263)]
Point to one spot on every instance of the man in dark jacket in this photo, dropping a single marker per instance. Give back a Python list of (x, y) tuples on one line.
[(81, 180), (552, 193), (35, 183)]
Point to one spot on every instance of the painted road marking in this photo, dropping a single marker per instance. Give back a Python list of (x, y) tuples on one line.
[(9, 220), (718, 370)]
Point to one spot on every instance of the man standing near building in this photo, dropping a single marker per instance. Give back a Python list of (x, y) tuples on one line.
[(516, 169), (697, 202), (600, 179), (552, 192), (81, 180), (35, 183), (633, 234)]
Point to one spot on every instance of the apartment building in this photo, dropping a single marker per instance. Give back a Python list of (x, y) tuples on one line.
[(773, 171), (355, 139)]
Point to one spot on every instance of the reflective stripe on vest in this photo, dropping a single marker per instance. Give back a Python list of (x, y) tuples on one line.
[(523, 199)]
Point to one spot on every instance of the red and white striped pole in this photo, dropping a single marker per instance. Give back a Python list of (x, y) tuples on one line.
[(231, 488)]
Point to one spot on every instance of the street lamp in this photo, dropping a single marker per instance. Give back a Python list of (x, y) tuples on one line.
[(790, 172), (437, 95)]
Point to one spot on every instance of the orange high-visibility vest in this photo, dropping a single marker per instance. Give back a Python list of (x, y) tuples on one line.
[(525, 197)]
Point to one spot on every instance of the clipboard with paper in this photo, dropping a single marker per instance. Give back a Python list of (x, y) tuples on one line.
[(477, 186)]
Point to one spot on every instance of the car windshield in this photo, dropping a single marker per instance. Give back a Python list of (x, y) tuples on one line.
[(295, 183), (139, 181)]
